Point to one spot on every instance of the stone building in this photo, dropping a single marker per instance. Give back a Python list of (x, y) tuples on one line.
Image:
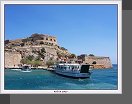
[(44, 39), (34, 39), (12, 59), (18, 49), (96, 61)]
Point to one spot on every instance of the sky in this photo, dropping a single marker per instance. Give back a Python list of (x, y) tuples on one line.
[(82, 29)]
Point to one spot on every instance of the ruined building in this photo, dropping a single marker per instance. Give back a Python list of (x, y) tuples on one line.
[(98, 62), (18, 49), (32, 46)]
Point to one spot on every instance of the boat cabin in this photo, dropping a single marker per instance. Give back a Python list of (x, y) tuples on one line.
[(74, 67)]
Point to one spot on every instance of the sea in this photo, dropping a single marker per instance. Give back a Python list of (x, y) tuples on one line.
[(100, 79)]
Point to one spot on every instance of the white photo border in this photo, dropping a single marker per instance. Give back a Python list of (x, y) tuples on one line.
[(118, 91)]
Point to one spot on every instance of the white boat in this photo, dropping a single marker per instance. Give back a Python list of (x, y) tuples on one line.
[(26, 68), (73, 70)]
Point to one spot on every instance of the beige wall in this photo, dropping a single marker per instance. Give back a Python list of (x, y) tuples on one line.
[(12, 59), (49, 39), (99, 60)]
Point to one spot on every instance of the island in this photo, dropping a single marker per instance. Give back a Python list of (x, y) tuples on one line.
[(43, 51)]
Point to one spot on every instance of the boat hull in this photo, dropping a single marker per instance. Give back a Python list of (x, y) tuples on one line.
[(73, 74)]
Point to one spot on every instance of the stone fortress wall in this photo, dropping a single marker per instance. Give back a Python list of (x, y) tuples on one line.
[(44, 39), (34, 39), (98, 61), (12, 59), (48, 40)]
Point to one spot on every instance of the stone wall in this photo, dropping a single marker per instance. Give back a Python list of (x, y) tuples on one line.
[(46, 39), (34, 39), (100, 61), (12, 59)]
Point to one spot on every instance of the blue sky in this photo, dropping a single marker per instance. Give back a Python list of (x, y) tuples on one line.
[(82, 29)]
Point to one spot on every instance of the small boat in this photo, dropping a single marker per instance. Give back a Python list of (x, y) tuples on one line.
[(73, 70), (26, 68)]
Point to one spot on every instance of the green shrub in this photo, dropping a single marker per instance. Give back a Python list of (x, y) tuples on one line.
[(30, 57), (50, 63)]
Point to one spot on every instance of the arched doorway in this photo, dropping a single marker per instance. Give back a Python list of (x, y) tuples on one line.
[(94, 62)]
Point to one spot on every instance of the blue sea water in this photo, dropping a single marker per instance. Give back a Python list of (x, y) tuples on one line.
[(45, 80)]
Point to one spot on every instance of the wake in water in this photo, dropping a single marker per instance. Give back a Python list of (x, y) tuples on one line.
[(21, 70), (25, 71), (16, 69)]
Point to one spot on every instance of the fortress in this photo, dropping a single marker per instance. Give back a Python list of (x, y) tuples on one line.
[(97, 62), (16, 50), (34, 39), (31, 46), (44, 39)]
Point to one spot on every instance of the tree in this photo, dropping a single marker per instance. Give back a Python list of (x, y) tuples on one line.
[(59, 54), (42, 52), (24, 40), (37, 63), (7, 41), (38, 58), (26, 60), (23, 61), (50, 62), (91, 55), (72, 56), (30, 57), (63, 48)]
